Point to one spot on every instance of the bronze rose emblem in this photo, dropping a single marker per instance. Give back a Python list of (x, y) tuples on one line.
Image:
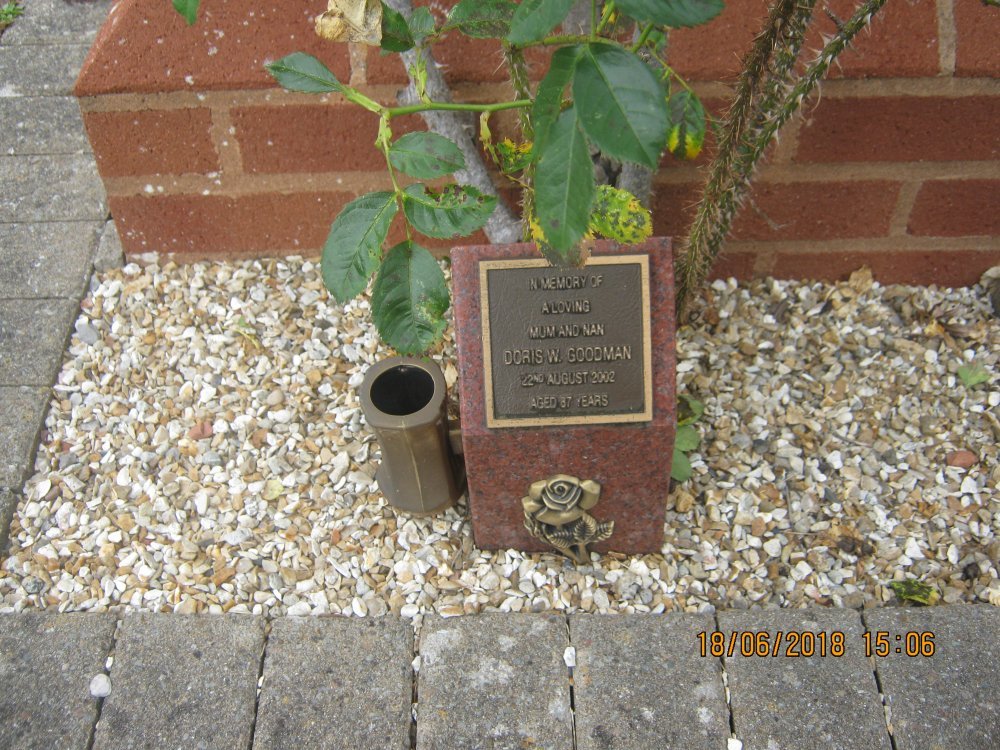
[(555, 511)]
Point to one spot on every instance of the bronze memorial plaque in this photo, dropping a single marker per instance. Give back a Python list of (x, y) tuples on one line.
[(566, 345)]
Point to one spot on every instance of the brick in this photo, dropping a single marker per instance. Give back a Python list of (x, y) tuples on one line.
[(715, 50), (47, 662), (977, 29), (312, 138), (175, 141), (147, 46), (816, 210), (737, 265), (901, 129), (956, 208), (222, 225), (941, 267), (901, 41), (672, 207)]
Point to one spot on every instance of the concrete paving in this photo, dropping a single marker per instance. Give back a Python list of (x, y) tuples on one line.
[(499, 681)]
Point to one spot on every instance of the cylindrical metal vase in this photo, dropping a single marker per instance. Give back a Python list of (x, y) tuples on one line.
[(404, 401)]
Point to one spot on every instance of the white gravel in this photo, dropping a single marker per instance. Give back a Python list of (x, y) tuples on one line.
[(205, 451)]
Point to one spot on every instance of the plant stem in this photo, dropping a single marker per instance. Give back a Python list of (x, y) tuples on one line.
[(593, 15), (646, 31), (455, 107), (738, 156)]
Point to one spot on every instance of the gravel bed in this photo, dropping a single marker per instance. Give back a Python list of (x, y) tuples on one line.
[(205, 452)]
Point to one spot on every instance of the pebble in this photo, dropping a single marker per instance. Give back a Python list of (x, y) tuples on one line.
[(204, 457), (100, 686), (961, 459)]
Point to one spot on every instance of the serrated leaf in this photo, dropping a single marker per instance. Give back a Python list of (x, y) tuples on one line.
[(456, 211), (687, 438), (354, 246), (421, 24), (972, 375), (426, 155), (618, 215), (564, 184), (188, 9), (482, 19), (916, 592), (687, 125), (680, 469), (396, 36), (409, 299), (513, 157), (548, 100), (621, 104), (301, 72), (689, 409), (674, 13), (536, 18)]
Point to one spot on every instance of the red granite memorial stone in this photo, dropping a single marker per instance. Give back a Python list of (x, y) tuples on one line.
[(568, 396)]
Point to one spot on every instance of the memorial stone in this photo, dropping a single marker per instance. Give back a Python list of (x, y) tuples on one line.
[(567, 396)]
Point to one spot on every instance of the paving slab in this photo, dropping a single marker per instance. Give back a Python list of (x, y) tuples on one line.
[(33, 334), (494, 681), (950, 699), (109, 252), (336, 682), (640, 682), (51, 188), (42, 125), (46, 664), (182, 682), (788, 702), (58, 22), (8, 502), (29, 70), (22, 413), (48, 259)]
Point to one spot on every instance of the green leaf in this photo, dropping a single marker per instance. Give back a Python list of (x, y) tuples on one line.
[(421, 24), (618, 215), (396, 36), (458, 210), (689, 409), (426, 155), (301, 72), (673, 13), (915, 591), (687, 438), (548, 100), (188, 9), (536, 18), (482, 19), (973, 374), (409, 299), (687, 125), (680, 469), (353, 248), (564, 184), (622, 106)]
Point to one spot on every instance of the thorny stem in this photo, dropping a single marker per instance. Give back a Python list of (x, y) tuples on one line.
[(748, 130), (518, 68)]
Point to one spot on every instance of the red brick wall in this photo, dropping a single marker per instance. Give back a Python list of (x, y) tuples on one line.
[(895, 165)]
